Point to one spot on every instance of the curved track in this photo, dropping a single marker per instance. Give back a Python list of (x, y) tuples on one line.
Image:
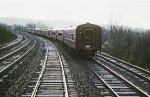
[(54, 79), (11, 64), (12, 43), (136, 75), (114, 84), (10, 51), (142, 73), (9, 60)]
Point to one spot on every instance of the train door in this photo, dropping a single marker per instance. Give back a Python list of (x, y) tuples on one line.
[(88, 38)]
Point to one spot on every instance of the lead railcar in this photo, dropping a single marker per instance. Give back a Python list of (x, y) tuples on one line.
[(85, 39)]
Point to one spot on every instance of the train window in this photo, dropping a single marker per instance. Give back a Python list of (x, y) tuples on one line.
[(53, 33), (88, 38), (59, 34), (73, 36), (88, 33)]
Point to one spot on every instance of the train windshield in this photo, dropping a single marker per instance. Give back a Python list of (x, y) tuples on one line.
[(88, 39), (59, 34)]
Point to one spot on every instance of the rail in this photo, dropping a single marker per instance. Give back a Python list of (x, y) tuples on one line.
[(63, 73), (5, 56), (139, 91), (110, 89), (40, 76), (9, 44), (34, 93), (10, 65), (131, 68)]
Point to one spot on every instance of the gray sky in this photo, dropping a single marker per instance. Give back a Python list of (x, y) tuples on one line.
[(132, 13)]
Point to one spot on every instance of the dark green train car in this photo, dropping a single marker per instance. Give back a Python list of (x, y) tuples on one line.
[(88, 39)]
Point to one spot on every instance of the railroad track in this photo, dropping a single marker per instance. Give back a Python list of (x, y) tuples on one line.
[(142, 73), (10, 51), (26, 67), (10, 59), (136, 75), (112, 84), (11, 64), (12, 43), (54, 79)]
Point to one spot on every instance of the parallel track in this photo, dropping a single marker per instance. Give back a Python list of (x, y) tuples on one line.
[(115, 84), (136, 75), (15, 49), (141, 73), (12, 43), (11, 65), (9, 60)]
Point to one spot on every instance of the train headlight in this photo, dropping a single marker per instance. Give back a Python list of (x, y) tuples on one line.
[(88, 46)]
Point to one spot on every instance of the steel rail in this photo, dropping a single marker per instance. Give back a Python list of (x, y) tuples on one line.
[(16, 41), (142, 93), (137, 74), (41, 75), (8, 42), (10, 65), (42, 71), (121, 61), (104, 83), (5, 56), (63, 73)]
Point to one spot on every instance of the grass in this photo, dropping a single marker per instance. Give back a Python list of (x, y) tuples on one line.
[(6, 36)]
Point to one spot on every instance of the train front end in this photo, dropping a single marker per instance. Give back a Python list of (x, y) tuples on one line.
[(88, 39)]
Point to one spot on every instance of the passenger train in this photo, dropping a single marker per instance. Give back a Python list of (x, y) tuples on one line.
[(84, 39)]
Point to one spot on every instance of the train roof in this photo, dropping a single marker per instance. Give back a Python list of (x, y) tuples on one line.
[(37, 29), (50, 28), (70, 28), (57, 28), (45, 29), (88, 25), (28, 28)]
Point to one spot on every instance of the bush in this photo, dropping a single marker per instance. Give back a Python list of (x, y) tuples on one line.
[(130, 45), (5, 35)]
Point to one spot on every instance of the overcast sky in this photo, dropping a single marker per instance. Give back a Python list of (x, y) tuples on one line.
[(134, 13)]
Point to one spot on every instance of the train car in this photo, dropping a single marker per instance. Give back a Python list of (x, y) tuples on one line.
[(85, 39), (70, 36), (37, 30), (49, 33), (44, 32), (54, 34), (29, 30), (60, 34), (88, 38), (57, 33)]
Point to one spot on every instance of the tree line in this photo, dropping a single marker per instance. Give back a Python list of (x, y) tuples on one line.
[(131, 45)]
